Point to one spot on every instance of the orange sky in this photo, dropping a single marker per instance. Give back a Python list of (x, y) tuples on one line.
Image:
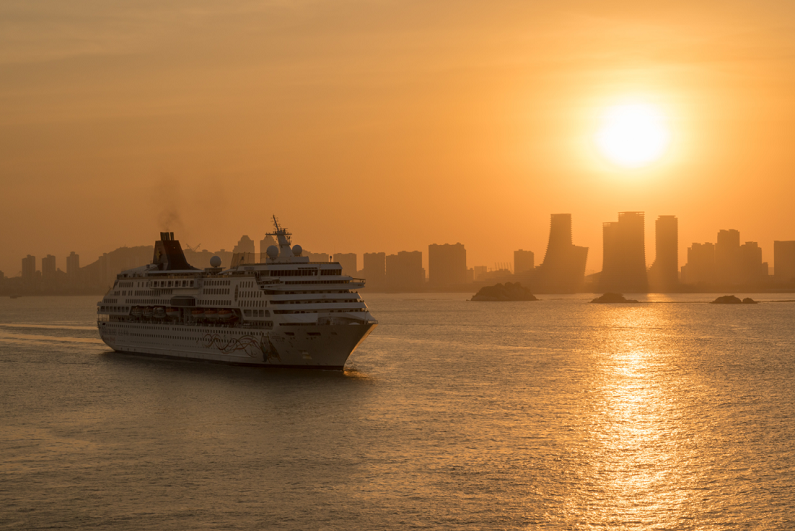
[(385, 126)]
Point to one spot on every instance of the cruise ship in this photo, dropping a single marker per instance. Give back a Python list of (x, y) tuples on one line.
[(285, 312)]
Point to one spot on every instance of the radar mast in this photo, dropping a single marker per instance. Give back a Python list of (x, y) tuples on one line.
[(281, 234)]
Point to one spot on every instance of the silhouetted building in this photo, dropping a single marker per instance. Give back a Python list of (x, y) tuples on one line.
[(374, 269), (727, 258), (404, 271), (348, 263), (664, 272), (563, 269), (523, 262), (29, 271), (243, 252), (48, 272), (73, 269), (480, 272), (317, 257), (752, 270), (784, 261), (700, 267), (264, 243), (624, 255), (447, 264)]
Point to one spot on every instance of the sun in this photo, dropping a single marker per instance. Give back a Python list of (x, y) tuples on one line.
[(633, 135)]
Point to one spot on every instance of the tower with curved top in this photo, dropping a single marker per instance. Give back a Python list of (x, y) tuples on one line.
[(563, 268)]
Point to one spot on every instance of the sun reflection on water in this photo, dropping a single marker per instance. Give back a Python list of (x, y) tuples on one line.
[(638, 453)]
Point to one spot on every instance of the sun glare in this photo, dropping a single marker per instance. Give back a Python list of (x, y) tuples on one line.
[(633, 135)]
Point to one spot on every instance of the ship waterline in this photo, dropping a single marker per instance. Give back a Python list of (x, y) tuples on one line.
[(286, 312), (325, 347)]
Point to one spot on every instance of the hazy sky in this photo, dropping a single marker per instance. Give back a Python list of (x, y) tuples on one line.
[(385, 126)]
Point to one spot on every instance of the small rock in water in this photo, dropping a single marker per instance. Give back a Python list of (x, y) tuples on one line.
[(730, 299), (612, 298), (511, 291)]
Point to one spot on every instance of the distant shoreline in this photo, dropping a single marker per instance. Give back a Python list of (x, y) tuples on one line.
[(100, 293)]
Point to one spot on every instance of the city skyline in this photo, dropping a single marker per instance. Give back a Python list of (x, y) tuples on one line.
[(725, 263), (12, 267)]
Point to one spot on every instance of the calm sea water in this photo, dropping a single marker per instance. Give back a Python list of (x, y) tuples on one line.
[(454, 414)]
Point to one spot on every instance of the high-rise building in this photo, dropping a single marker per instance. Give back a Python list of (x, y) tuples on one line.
[(29, 271), (784, 261), (348, 263), (447, 264), (727, 258), (48, 271), (480, 272), (523, 262), (374, 269), (264, 243), (700, 267), (563, 268), (752, 270), (664, 272), (624, 254), (72, 268), (404, 271), (243, 252)]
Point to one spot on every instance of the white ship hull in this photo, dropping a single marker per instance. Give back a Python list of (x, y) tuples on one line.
[(285, 312), (316, 347)]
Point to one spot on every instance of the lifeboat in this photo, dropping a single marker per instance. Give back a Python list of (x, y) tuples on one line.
[(197, 313), (210, 315), (172, 313), (225, 315), (136, 311), (148, 312), (159, 312)]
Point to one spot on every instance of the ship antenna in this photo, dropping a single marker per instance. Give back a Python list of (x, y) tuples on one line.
[(281, 233)]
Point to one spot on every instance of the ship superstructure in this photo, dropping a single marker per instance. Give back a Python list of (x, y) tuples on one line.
[(285, 312)]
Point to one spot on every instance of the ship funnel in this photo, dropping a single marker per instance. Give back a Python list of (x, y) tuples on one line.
[(168, 254)]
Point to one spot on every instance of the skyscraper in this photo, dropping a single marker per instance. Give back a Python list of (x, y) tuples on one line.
[(727, 257), (447, 264), (523, 262), (404, 271), (264, 243), (48, 271), (752, 270), (784, 261), (72, 268), (28, 271), (664, 272), (624, 254), (563, 269), (243, 253), (374, 269), (700, 267), (348, 263)]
